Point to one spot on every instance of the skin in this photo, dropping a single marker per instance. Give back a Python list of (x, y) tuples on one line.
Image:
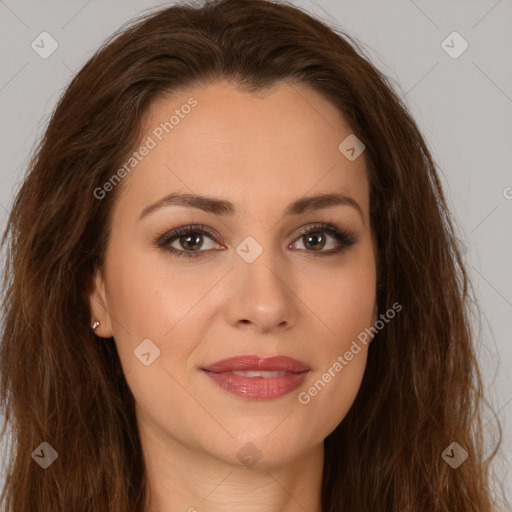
[(261, 153)]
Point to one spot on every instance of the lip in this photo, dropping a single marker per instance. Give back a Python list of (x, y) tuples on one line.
[(258, 387), (256, 363)]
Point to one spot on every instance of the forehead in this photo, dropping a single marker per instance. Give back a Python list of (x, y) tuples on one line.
[(255, 150)]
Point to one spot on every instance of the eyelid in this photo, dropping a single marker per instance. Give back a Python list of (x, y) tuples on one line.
[(169, 234)]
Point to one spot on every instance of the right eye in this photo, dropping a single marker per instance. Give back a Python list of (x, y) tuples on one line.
[(189, 237)]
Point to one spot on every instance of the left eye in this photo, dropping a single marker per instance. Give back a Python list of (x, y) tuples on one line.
[(313, 239)]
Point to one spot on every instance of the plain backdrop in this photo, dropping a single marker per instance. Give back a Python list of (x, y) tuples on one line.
[(462, 103)]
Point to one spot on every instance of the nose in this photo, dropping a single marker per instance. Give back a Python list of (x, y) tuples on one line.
[(261, 295)]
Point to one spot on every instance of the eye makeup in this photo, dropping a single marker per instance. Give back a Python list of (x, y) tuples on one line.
[(194, 234)]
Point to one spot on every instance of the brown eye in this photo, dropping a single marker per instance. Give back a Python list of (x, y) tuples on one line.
[(314, 240), (188, 241), (192, 242)]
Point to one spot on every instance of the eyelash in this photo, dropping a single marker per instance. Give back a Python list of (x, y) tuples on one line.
[(344, 237)]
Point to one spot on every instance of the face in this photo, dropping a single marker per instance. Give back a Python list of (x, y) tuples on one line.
[(248, 279)]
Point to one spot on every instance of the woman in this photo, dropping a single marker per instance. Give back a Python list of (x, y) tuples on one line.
[(233, 284)]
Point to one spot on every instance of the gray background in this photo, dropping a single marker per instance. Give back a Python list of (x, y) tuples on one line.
[(462, 105)]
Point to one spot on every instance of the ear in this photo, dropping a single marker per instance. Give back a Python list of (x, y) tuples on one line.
[(98, 306)]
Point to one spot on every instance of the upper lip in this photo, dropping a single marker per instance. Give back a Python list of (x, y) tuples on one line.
[(255, 363)]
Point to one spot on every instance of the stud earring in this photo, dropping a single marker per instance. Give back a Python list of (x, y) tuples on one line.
[(95, 325)]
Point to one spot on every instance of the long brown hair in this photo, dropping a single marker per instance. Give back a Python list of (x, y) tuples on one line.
[(62, 385)]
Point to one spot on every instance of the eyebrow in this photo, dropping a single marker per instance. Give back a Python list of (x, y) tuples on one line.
[(224, 207)]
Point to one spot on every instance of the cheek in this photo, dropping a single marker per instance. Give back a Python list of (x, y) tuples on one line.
[(151, 303), (331, 392), (145, 304), (341, 359), (343, 301), (344, 310), (149, 296)]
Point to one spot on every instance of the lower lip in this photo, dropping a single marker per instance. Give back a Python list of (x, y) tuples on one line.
[(258, 388)]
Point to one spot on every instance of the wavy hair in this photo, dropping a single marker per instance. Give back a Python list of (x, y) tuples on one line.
[(61, 384)]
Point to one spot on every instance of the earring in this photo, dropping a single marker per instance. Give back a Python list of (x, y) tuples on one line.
[(95, 325)]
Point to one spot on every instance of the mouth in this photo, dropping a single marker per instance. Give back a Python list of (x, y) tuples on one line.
[(249, 362), (254, 378), (266, 375)]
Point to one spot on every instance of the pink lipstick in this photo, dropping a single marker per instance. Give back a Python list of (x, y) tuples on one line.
[(255, 378)]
